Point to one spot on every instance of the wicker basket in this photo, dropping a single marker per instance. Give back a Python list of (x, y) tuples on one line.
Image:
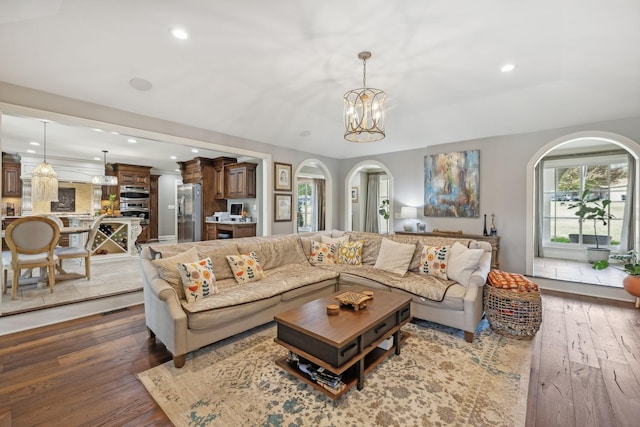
[(511, 313)]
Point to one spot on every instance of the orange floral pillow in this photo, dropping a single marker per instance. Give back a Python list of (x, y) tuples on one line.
[(198, 279), (323, 253), (433, 261), (516, 282), (246, 267)]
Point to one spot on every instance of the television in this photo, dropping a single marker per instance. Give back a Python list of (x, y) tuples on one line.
[(235, 210)]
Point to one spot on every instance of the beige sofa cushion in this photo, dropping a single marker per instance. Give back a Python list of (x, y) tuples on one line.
[(274, 251), (217, 253), (395, 257), (168, 269)]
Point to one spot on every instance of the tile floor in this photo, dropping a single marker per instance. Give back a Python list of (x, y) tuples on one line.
[(577, 271)]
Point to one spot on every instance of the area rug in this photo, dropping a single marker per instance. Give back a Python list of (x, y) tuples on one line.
[(438, 379)]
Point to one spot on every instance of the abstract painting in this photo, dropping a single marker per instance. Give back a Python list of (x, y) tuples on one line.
[(452, 184)]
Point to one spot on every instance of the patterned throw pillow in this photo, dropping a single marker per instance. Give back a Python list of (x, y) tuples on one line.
[(433, 261), (198, 279), (322, 253), (513, 281), (350, 253), (246, 267), (168, 269)]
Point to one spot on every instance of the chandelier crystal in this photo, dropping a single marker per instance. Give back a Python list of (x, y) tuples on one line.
[(105, 179), (364, 110), (44, 180)]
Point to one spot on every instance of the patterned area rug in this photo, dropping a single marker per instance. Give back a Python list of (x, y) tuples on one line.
[(438, 379)]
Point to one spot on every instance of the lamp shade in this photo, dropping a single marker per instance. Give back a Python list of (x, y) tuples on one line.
[(409, 212), (44, 183)]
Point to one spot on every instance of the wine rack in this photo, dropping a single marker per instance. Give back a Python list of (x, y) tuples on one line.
[(111, 238)]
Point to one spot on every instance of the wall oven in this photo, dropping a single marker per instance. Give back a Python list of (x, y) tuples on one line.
[(134, 201)]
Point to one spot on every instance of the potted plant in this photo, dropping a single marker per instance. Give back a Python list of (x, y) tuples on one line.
[(383, 210), (589, 208), (631, 283)]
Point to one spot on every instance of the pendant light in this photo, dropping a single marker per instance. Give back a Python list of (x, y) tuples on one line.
[(364, 110), (108, 180), (44, 180)]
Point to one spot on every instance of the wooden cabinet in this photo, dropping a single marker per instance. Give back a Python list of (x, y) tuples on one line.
[(202, 171), (220, 164), (240, 180), (153, 208), (494, 241), (11, 184), (131, 175), (233, 230)]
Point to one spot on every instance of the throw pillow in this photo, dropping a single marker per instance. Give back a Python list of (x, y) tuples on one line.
[(246, 267), (394, 257), (322, 253), (350, 253), (167, 268), (198, 279), (433, 261), (462, 263), (326, 239)]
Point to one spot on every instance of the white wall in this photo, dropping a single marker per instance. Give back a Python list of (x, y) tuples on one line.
[(503, 164)]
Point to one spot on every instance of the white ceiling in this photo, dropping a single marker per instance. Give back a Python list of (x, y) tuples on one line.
[(273, 71)]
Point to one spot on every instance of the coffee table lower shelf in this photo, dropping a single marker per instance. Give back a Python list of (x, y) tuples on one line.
[(372, 358)]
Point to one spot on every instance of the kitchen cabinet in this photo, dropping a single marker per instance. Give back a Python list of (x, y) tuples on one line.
[(240, 180), (11, 183), (234, 230), (202, 170), (220, 164)]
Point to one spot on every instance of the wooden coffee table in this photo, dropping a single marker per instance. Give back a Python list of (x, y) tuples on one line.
[(345, 344)]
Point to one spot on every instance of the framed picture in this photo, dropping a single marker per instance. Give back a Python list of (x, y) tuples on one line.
[(282, 207), (66, 200), (282, 179), (354, 194), (452, 184)]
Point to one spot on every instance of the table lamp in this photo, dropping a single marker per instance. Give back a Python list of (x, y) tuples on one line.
[(408, 213)]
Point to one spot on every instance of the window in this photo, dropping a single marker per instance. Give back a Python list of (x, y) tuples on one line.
[(563, 182), (305, 205)]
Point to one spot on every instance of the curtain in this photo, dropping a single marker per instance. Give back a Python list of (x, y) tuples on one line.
[(538, 221), (627, 239), (321, 204), (371, 215)]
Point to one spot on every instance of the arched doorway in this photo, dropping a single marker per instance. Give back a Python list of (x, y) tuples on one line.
[(313, 194), (359, 194), (549, 206)]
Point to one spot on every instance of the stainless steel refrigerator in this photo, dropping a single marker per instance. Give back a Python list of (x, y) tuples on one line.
[(189, 206)]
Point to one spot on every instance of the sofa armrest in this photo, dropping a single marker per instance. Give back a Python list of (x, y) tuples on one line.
[(479, 275)]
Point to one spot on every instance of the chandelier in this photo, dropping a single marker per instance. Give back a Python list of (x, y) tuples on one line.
[(364, 110), (44, 180), (105, 179)]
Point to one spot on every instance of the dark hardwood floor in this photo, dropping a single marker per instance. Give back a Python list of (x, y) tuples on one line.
[(585, 369)]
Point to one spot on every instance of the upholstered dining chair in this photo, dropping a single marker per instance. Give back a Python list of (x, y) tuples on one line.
[(31, 241), (63, 252)]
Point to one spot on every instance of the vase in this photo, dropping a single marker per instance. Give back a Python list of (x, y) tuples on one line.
[(632, 285)]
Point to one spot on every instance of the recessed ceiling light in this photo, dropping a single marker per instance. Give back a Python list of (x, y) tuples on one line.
[(172, 157), (34, 143), (177, 170), (179, 33), (507, 67), (31, 151), (131, 140), (97, 158), (98, 130), (195, 150), (115, 133), (140, 84)]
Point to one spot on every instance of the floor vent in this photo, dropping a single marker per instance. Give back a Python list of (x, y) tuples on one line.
[(117, 310)]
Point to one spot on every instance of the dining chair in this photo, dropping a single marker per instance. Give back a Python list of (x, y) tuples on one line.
[(31, 241), (63, 252)]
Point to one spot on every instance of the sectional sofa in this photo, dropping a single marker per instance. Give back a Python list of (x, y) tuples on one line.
[(294, 273)]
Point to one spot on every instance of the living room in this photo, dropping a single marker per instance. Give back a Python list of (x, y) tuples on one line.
[(512, 119)]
